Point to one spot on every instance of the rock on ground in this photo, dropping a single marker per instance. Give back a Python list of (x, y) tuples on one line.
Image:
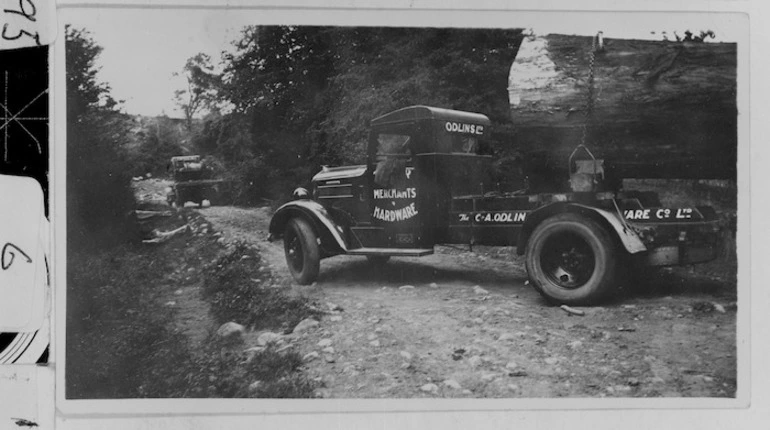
[(478, 290), (305, 325), (310, 356), (475, 361), (334, 307), (254, 386), (268, 337), (230, 329), (575, 345), (451, 383), (429, 388)]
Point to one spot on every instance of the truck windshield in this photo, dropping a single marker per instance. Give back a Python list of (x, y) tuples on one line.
[(393, 153)]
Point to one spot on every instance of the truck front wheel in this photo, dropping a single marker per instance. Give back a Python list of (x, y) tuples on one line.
[(302, 254), (571, 260)]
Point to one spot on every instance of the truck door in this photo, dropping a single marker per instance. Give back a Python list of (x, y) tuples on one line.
[(395, 193)]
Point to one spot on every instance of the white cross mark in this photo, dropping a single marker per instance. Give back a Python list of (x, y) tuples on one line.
[(17, 119)]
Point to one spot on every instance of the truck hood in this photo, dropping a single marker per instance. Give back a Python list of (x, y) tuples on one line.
[(345, 172)]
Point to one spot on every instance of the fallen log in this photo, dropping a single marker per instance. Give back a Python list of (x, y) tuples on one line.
[(144, 215), (163, 236), (661, 109)]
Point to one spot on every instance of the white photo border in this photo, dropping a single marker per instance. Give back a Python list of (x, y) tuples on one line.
[(404, 13)]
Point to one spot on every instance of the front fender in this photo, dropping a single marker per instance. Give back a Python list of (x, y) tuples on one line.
[(330, 233), (627, 237)]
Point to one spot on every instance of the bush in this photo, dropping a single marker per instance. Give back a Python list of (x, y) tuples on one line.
[(220, 373), (240, 288), (120, 339), (122, 343)]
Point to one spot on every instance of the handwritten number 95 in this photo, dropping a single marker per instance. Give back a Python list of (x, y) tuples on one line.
[(28, 10), (9, 252)]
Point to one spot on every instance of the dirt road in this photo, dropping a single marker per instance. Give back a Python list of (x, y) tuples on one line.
[(465, 324)]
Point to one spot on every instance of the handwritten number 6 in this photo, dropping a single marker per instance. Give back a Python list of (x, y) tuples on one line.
[(12, 254)]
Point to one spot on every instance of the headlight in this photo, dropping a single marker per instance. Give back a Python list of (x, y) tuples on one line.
[(300, 193)]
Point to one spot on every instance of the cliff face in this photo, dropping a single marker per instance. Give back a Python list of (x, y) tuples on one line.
[(661, 109)]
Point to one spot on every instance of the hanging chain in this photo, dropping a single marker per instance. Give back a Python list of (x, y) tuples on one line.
[(589, 106)]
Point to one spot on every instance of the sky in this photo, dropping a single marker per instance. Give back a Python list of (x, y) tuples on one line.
[(143, 48)]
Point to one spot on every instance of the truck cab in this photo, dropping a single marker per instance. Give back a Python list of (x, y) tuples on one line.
[(426, 183), (398, 202)]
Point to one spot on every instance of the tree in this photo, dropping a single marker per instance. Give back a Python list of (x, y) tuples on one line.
[(98, 186), (303, 96), (201, 91)]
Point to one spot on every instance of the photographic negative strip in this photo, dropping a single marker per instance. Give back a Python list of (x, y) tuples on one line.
[(24, 169)]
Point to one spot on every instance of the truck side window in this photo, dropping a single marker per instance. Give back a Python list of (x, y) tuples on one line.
[(393, 151), (467, 144), (458, 143)]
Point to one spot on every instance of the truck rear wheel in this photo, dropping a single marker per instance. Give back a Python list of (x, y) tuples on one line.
[(302, 254), (571, 259)]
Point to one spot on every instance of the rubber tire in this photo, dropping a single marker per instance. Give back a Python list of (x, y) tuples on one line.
[(378, 260), (602, 280), (308, 243)]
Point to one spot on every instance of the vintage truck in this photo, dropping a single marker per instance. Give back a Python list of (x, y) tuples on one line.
[(425, 183), (193, 182)]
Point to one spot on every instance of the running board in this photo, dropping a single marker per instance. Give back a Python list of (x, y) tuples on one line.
[(395, 252)]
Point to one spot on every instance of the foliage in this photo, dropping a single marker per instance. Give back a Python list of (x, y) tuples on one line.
[(690, 37), (157, 140), (241, 288), (122, 341), (302, 96), (119, 343), (98, 182), (200, 93)]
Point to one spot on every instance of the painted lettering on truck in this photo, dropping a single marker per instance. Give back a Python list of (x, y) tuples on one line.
[(458, 127)]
